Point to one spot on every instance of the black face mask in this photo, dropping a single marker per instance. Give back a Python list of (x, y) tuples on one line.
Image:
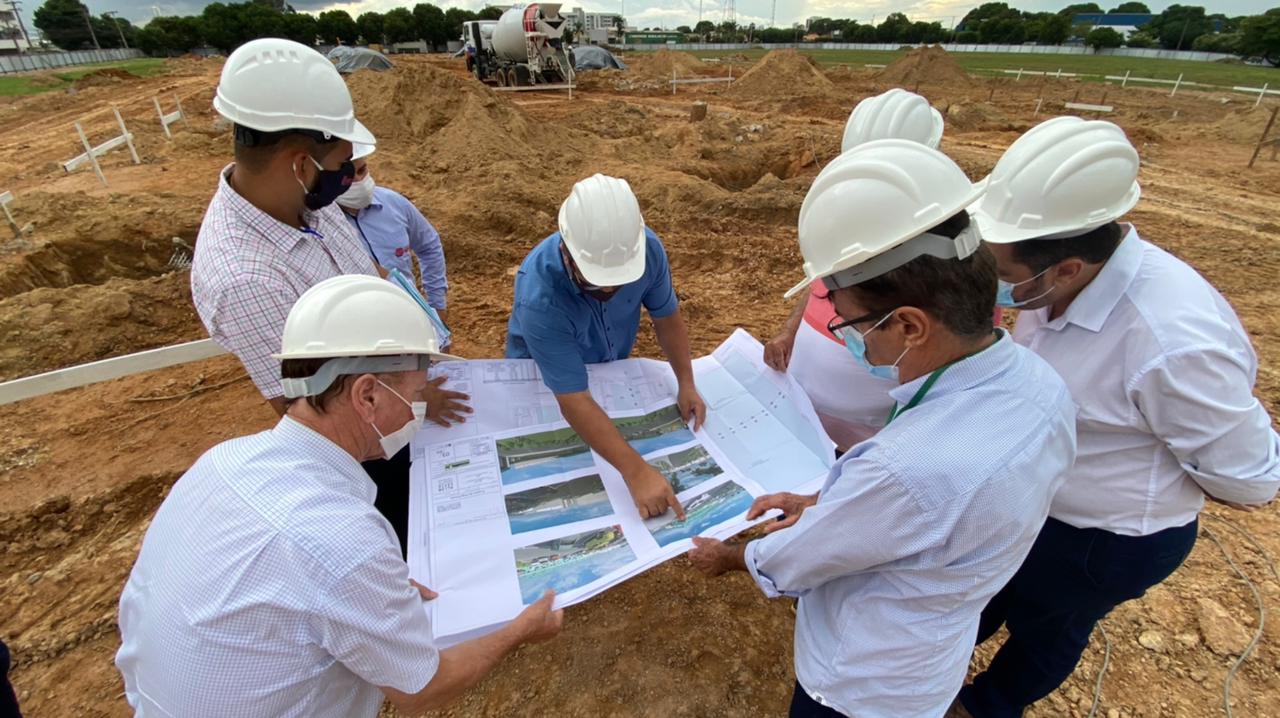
[(598, 294), (329, 186)]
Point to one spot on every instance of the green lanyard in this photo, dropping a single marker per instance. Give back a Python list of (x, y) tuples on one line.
[(919, 396), (924, 388)]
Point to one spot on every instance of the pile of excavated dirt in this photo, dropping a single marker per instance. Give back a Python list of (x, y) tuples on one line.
[(105, 76), (660, 64), (975, 117), (1243, 126), (781, 73), (930, 65), (49, 328)]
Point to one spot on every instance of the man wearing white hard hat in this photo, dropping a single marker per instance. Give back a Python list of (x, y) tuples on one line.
[(267, 584), (804, 347), (578, 297), (271, 231), (1163, 374), (394, 231), (917, 527)]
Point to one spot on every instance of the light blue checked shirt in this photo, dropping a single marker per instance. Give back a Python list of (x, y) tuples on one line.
[(268, 585), (393, 231), (916, 529)]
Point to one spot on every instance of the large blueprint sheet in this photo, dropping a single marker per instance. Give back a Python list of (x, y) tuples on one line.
[(513, 502)]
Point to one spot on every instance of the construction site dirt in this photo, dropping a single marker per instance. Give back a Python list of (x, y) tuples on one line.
[(98, 272)]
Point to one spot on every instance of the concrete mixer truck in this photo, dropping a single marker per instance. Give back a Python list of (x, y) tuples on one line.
[(522, 48)]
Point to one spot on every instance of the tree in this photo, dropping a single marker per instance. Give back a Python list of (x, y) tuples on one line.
[(431, 24), (1054, 30), (169, 36), (109, 29), (1260, 37), (863, 33), (706, 27), (454, 17), (63, 23), (1140, 40), (1100, 37), (894, 28), (490, 12), (1130, 7), (398, 26), (1179, 26), (1078, 8), (371, 26), (1003, 31), (1226, 42), (967, 37), (299, 27), (337, 26)]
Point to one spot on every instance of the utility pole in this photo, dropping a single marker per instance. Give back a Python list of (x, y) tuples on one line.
[(773, 14), (112, 15), (1184, 30), (89, 23)]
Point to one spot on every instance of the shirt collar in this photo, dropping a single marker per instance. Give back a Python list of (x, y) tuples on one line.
[(351, 478), (964, 374), (279, 233), (1090, 309)]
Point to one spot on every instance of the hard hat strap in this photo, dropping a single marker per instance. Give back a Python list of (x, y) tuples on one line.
[(933, 245), (342, 366)]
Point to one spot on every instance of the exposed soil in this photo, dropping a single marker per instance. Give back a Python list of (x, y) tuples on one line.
[(925, 65), (82, 471)]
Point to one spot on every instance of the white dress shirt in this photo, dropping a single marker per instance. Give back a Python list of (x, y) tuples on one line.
[(268, 585), (1163, 374), (916, 529), (249, 268)]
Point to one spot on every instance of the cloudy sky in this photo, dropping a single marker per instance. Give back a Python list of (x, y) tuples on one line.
[(670, 13)]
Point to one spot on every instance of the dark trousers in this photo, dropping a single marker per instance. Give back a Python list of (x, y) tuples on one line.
[(8, 700), (391, 476), (1070, 580), (802, 706)]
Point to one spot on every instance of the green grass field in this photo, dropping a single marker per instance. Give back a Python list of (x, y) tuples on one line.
[(17, 85), (1213, 73)]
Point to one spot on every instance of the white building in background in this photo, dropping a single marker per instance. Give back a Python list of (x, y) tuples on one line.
[(594, 24), (11, 36)]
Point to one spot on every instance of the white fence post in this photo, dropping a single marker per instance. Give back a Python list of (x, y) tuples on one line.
[(163, 125), (128, 138), (1261, 94), (1019, 77), (5, 198), (92, 157), (1125, 81), (1176, 85)]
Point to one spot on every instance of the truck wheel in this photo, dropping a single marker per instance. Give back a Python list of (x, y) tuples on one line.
[(501, 77), (522, 76)]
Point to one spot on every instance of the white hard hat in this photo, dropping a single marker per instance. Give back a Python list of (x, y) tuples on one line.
[(896, 114), (366, 323), (601, 226), (1063, 177), (360, 150), (868, 211), (272, 84)]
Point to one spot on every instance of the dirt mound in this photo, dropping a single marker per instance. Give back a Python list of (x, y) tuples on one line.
[(782, 73), (105, 76), (412, 104), (45, 79), (662, 63), (975, 117), (1243, 126), (48, 328), (929, 65)]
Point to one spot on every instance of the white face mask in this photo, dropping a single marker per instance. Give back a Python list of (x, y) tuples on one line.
[(359, 195), (395, 441)]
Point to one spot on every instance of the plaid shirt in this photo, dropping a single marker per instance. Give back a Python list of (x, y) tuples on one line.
[(249, 269)]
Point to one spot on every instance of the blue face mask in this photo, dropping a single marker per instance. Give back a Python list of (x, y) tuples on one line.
[(856, 343), (1004, 292)]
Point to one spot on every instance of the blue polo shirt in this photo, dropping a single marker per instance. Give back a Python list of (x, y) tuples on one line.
[(562, 329)]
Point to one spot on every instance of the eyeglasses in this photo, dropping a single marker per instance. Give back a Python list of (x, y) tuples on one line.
[(837, 327), (578, 279)]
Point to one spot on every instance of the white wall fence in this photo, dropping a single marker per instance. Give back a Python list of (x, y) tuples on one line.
[(951, 47), (53, 60)]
